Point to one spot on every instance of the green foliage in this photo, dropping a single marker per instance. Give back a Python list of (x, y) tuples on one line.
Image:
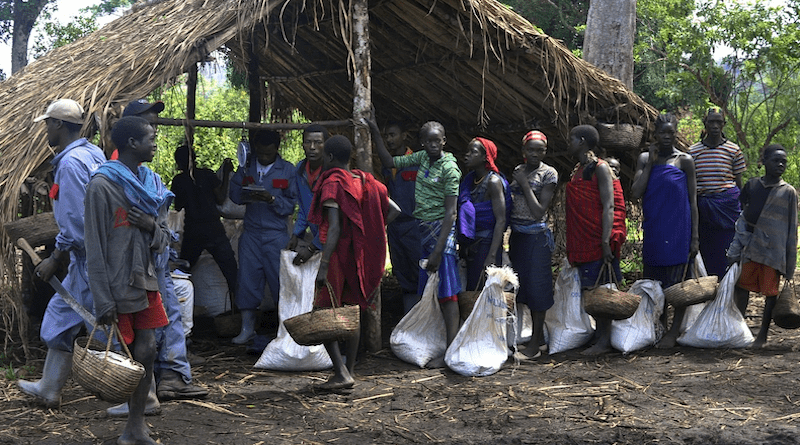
[(212, 145), (54, 34), (561, 19)]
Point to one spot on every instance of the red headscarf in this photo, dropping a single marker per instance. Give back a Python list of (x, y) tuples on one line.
[(491, 153), (535, 135)]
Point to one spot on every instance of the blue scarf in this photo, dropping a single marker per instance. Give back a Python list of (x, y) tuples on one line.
[(145, 191)]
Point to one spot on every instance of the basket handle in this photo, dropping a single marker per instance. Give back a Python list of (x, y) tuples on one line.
[(612, 278), (334, 303)]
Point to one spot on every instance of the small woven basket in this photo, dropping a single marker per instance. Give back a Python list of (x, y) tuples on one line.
[(325, 325), (229, 323), (787, 309), (467, 300), (106, 374), (620, 136), (614, 304), (691, 291)]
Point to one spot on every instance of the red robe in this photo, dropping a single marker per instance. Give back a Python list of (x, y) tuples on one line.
[(585, 219), (364, 205)]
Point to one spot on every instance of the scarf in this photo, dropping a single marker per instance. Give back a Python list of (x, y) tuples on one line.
[(491, 153), (145, 191)]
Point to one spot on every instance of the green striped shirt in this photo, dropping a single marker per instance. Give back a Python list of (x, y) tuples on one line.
[(434, 182)]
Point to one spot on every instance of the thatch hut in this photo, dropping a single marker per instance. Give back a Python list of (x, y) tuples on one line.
[(474, 65)]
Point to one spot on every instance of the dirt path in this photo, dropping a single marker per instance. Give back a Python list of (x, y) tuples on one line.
[(681, 396)]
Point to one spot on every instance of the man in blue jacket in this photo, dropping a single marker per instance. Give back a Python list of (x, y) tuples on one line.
[(307, 173), (267, 186)]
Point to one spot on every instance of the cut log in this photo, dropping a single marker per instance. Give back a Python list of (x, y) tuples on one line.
[(38, 229)]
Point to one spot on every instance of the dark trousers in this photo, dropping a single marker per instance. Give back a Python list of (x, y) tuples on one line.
[(219, 246)]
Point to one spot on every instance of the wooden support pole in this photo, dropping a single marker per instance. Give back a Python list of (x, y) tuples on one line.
[(362, 103), (254, 84), (191, 102), (277, 126)]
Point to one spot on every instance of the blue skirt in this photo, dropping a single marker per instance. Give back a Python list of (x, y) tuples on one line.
[(531, 257), (449, 281)]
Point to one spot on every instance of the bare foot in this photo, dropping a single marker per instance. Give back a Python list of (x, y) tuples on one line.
[(337, 382), (597, 349), (666, 342), (758, 343)]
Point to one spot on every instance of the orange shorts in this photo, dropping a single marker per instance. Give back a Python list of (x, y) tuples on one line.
[(153, 317), (757, 277)]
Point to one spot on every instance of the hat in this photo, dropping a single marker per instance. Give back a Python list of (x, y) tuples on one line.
[(139, 106), (66, 110)]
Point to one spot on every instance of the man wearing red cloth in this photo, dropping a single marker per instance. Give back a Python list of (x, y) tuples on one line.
[(595, 221), (352, 209)]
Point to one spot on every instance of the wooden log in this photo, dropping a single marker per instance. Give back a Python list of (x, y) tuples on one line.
[(249, 125), (191, 102), (38, 229)]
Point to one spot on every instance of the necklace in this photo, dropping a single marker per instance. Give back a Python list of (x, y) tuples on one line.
[(479, 180)]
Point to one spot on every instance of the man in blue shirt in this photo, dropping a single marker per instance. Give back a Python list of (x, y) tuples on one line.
[(75, 160), (267, 186), (307, 173)]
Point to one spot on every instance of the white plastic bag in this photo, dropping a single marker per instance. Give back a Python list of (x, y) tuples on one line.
[(522, 326), (229, 209), (297, 297), (568, 325), (720, 325), (693, 311), (480, 347), (421, 335), (643, 328)]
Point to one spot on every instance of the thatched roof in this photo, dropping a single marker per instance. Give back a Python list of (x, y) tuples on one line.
[(474, 65)]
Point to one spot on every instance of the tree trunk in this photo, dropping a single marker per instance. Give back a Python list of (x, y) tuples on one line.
[(25, 15), (608, 42), (362, 102)]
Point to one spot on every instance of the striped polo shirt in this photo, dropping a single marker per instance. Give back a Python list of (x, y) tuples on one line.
[(717, 167)]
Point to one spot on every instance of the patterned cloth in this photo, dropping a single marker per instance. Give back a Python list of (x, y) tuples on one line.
[(434, 182), (538, 179), (717, 167), (449, 281), (585, 218)]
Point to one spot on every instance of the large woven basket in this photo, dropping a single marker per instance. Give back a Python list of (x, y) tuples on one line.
[(324, 325), (614, 304), (691, 291), (228, 324), (786, 313), (619, 136), (106, 374)]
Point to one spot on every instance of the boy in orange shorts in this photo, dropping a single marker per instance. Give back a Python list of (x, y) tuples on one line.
[(766, 236), (125, 223)]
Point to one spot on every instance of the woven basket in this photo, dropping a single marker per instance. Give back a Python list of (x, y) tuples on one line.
[(228, 324), (325, 325), (620, 136), (602, 302), (786, 313), (691, 291), (106, 374)]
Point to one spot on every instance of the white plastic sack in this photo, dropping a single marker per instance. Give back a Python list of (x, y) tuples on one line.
[(720, 324), (210, 287), (568, 325), (480, 347), (693, 311), (643, 328), (421, 335), (229, 209), (297, 297), (184, 290), (523, 325)]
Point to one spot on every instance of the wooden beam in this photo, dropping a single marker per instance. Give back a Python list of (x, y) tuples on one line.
[(248, 125), (191, 102)]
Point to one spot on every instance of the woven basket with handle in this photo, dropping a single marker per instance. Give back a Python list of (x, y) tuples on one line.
[(691, 291), (614, 304), (325, 325), (107, 374), (786, 313)]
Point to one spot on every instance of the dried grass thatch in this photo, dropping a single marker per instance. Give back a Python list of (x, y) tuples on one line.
[(474, 65)]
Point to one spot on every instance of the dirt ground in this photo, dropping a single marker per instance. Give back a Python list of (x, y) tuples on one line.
[(679, 396)]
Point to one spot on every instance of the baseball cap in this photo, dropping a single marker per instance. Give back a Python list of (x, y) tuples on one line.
[(66, 110), (139, 106)]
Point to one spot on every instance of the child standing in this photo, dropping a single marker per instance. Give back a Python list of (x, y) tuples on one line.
[(436, 193), (766, 236), (125, 223)]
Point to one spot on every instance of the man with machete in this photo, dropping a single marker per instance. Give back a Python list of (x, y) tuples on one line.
[(75, 160)]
